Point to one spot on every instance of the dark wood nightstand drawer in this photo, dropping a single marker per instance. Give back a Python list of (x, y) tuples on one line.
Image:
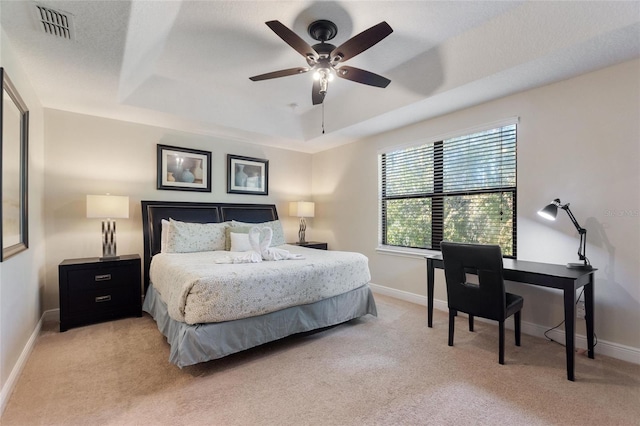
[(92, 290), (97, 278), (98, 301)]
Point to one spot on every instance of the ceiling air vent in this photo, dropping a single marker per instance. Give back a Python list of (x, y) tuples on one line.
[(54, 22)]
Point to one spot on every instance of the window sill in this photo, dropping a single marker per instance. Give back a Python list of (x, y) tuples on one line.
[(406, 252)]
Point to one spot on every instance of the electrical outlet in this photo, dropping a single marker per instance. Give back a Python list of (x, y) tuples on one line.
[(580, 311)]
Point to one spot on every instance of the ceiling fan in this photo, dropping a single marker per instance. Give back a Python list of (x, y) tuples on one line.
[(325, 59)]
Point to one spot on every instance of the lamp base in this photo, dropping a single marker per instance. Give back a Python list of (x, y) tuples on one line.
[(109, 241), (302, 231), (579, 266)]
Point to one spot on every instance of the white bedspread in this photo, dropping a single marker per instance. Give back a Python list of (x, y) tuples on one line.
[(196, 289)]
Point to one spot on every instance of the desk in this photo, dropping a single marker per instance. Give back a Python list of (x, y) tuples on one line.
[(544, 275)]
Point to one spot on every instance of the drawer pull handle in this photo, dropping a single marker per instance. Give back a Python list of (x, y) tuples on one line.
[(103, 299), (105, 277)]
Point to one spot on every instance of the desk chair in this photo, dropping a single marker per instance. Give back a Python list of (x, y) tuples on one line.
[(488, 299)]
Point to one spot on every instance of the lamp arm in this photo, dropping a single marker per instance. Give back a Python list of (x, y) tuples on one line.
[(583, 247), (580, 229), (583, 234)]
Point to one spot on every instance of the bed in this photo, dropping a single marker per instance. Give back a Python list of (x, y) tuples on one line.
[(207, 332)]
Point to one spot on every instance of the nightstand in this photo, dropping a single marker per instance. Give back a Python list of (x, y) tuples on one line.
[(314, 244), (92, 290)]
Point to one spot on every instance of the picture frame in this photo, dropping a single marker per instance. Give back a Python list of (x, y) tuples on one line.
[(14, 144), (183, 169), (247, 175)]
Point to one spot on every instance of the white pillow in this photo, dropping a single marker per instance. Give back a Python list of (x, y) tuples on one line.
[(164, 234), (187, 237), (275, 225), (239, 242)]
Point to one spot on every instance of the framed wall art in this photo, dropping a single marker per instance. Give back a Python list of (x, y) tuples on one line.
[(184, 169), (14, 143), (246, 175)]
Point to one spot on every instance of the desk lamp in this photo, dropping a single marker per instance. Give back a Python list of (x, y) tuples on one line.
[(550, 212), (108, 207), (302, 209)]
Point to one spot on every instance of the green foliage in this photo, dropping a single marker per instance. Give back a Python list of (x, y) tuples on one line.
[(481, 219), (409, 222)]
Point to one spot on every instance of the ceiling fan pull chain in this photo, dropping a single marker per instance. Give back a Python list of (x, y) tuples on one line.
[(323, 118)]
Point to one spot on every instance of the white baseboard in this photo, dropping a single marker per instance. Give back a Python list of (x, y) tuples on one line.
[(614, 350), (10, 384)]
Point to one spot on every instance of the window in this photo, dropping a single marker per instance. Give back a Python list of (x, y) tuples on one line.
[(461, 189)]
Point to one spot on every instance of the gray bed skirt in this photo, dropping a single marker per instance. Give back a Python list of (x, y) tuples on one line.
[(192, 344)]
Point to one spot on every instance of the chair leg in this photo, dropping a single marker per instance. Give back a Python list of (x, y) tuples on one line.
[(516, 319), (470, 322), (452, 317), (501, 342)]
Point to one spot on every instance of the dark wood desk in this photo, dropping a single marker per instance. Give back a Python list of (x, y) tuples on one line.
[(544, 275)]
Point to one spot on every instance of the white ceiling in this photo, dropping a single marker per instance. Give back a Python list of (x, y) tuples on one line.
[(186, 64)]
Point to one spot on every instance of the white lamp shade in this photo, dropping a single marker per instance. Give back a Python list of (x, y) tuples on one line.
[(302, 209), (107, 207)]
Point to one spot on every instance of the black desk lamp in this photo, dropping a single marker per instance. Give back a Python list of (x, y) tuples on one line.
[(550, 212)]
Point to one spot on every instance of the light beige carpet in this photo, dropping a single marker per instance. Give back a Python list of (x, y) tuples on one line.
[(388, 370)]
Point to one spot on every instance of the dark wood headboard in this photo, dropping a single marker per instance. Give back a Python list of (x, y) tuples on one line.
[(154, 211)]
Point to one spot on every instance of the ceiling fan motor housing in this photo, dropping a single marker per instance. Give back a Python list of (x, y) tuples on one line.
[(323, 49)]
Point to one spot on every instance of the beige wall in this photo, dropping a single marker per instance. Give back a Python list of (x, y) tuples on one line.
[(22, 276), (90, 155), (578, 140)]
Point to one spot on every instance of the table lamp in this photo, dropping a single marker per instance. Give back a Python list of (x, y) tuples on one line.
[(550, 212), (108, 207), (302, 209)]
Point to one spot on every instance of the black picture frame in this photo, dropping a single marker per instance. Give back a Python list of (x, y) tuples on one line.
[(247, 175), (183, 169), (14, 176)]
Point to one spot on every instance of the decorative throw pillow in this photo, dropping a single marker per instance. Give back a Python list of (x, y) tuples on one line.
[(275, 225), (239, 241), (187, 237)]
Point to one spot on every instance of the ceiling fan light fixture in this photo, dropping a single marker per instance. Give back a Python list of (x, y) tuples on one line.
[(324, 84), (324, 74)]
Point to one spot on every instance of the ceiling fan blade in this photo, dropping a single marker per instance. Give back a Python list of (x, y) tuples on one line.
[(281, 73), (317, 97), (362, 76), (292, 39), (361, 42)]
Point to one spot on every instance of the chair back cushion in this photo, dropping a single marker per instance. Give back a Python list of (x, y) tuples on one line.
[(486, 299)]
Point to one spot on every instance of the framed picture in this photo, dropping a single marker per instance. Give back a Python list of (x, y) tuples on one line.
[(14, 143), (183, 169), (246, 175)]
